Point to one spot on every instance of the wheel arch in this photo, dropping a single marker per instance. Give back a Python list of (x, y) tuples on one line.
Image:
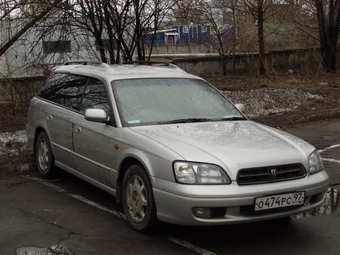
[(37, 131), (124, 165)]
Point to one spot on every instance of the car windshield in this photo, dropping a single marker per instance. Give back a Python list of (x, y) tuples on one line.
[(165, 101)]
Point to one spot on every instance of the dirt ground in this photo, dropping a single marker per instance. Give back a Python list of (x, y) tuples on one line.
[(323, 84)]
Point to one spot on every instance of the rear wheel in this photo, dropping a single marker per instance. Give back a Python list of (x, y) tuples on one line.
[(137, 200), (44, 159)]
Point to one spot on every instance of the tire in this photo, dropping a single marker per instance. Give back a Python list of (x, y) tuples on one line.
[(43, 156), (137, 200)]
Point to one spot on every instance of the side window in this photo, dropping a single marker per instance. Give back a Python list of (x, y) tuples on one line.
[(95, 96), (72, 91), (64, 89), (52, 83)]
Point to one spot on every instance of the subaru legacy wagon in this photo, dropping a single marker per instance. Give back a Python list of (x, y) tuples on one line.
[(170, 147)]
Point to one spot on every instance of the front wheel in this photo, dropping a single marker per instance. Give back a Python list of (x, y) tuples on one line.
[(137, 200)]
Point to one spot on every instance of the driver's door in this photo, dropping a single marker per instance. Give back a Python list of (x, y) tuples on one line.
[(92, 141)]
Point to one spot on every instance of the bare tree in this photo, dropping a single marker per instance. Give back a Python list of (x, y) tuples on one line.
[(188, 11), (118, 26), (233, 6), (213, 13), (161, 10), (328, 15), (89, 15), (15, 9), (258, 9), (319, 20)]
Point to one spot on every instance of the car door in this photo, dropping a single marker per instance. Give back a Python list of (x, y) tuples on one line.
[(93, 142), (62, 93)]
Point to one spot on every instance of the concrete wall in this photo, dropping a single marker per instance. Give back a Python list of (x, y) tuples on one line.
[(306, 60), (246, 63), (18, 91), (3, 66)]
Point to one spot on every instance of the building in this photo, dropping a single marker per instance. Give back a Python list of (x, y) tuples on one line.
[(38, 50), (179, 35)]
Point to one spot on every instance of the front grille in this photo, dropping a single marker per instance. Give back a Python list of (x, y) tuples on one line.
[(270, 174)]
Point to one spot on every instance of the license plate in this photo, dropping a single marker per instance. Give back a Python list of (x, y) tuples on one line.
[(279, 201)]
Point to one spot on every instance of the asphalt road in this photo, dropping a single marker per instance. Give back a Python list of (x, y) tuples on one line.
[(35, 214), (325, 136)]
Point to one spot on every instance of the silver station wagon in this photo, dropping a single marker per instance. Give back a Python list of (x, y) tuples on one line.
[(170, 147)]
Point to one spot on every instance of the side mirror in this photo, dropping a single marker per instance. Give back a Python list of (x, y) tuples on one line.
[(96, 115), (240, 107)]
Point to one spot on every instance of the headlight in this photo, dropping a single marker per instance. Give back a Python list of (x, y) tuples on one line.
[(315, 163), (199, 173)]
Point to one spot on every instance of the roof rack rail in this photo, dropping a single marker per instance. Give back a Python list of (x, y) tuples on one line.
[(82, 62), (149, 63)]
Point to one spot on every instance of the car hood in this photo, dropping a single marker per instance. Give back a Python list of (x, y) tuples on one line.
[(231, 144)]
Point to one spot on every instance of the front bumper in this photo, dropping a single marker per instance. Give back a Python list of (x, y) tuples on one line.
[(175, 202)]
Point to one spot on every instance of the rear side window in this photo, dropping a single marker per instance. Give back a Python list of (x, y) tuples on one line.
[(64, 89), (95, 96)]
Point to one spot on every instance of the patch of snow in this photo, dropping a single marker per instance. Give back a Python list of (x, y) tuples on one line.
[(312, 96), (266, 101), (12, 143), (58, 249)]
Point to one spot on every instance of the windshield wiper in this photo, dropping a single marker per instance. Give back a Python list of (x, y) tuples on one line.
[(230, 118), (189, 120)]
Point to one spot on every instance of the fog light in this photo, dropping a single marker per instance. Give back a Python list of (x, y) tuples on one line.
[(202, 212)]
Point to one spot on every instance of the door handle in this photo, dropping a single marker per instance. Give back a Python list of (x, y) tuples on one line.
[(77, 129)]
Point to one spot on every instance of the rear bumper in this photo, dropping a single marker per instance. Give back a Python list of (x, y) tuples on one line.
[(175, 202)]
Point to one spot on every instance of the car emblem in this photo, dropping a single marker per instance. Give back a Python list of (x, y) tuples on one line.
[(273, 172)]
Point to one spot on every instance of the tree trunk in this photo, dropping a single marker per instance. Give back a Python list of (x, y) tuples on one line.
[(100, 45), (329, 22), (329, 58), (235, 34), (222, 54), (224, 68), (260, 20), (112, 47)]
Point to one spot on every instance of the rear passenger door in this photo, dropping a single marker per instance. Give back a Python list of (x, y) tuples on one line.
[(63, 93), (93, 141)]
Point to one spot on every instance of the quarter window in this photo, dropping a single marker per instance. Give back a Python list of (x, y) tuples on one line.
[(64, 89)]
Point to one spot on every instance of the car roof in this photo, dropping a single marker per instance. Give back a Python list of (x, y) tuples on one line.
[(125, 71)]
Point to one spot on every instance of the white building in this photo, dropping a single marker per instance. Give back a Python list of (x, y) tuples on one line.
[(39, 49)]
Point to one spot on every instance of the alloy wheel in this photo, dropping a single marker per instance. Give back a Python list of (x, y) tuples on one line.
[(136, 198)]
